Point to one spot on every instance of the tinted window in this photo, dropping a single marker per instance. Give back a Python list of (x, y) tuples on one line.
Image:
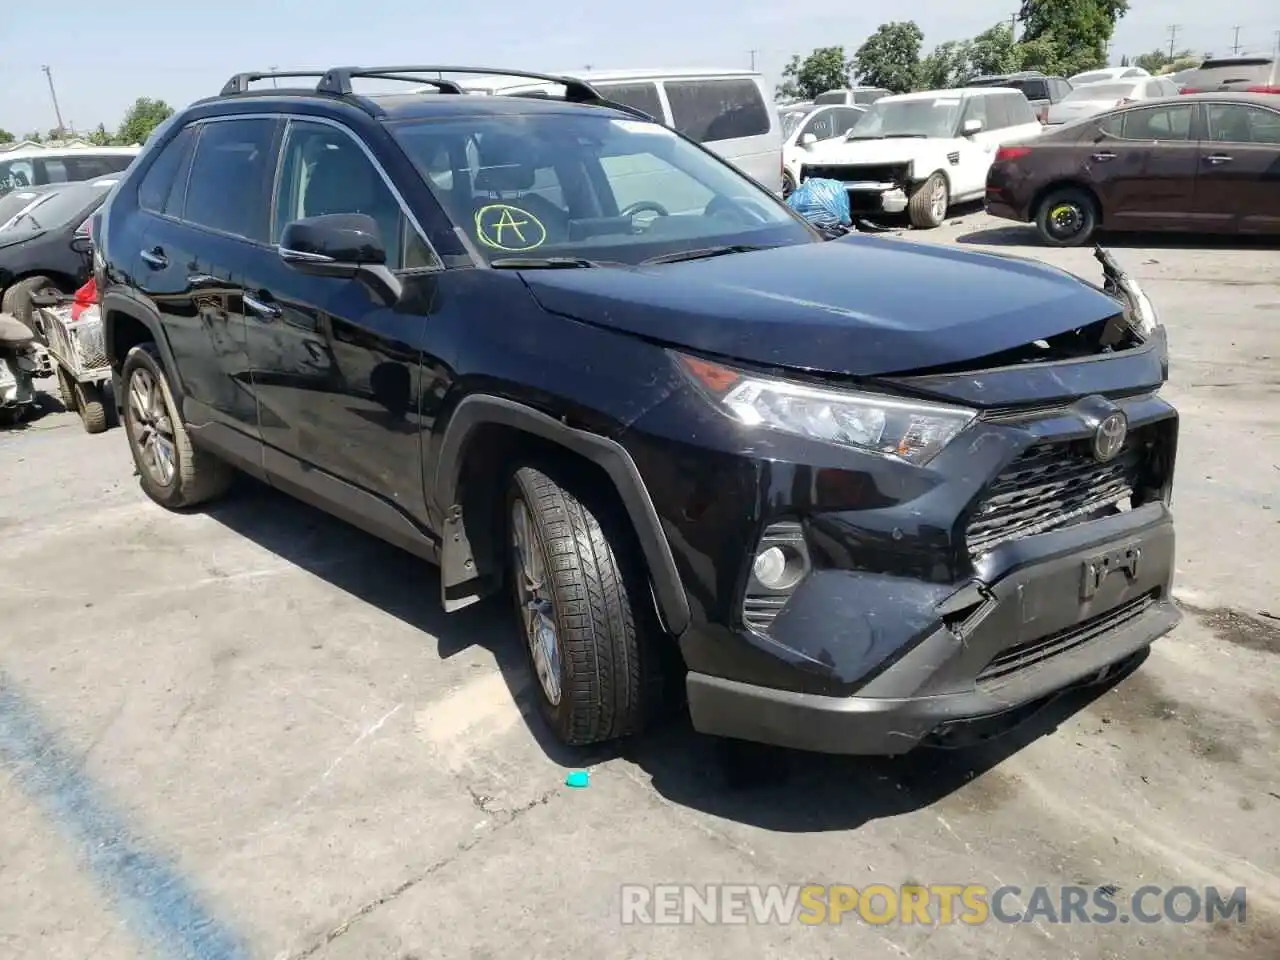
[(81, 167), (1033, 89), (642, 96), (711, 110), (54, 170), (228, 175), (560, 185), (158, 184), (1239, 123), (1152, 123), (324, 171)]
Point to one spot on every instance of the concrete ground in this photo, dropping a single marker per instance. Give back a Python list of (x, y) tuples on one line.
[(251, 732)]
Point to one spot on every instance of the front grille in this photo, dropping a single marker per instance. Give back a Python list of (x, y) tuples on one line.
[(1036, 652), (1051, 486), (856, 172)]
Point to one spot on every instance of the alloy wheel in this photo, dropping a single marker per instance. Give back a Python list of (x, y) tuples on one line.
[(1065, 220), (152, 427), (534, 598), (938, 200)]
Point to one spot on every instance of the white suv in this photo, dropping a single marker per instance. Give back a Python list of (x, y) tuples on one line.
[(922, 152)]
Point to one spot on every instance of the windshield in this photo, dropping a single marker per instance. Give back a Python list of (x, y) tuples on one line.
[(52, 209), (1101, 91), (917, 117), (590, 186), (14, 202)]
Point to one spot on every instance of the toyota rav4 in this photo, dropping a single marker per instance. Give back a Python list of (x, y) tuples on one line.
[(840, 494)]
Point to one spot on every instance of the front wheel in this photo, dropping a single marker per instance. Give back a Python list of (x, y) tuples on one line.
[(1067, 218), (585, 628), (928, 205), (89, 403), (172, 472)]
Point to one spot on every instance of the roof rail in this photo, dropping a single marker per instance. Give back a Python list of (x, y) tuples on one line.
[(338, 79), (240, 82)]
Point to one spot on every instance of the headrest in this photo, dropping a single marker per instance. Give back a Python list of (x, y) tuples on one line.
[(503, 167)]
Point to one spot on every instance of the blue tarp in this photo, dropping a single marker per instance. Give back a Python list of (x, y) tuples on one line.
[(824, 203)]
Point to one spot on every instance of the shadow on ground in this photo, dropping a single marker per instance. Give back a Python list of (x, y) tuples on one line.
[(775, 789), (1025, 235)]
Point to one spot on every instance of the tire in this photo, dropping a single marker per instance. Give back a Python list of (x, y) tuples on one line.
[(1067, 217), (607, 671), (194, 476), (17, 299), (66, 387), (929, 202), (788, 184), (88, 401)]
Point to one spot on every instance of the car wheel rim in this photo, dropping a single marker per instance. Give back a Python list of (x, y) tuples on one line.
[(534, 597), (152, 427), (788, 185), (1066, 220), (938, 201)]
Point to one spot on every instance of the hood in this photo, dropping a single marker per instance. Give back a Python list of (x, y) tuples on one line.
[(16, 235), (839, 150), (861, 306)]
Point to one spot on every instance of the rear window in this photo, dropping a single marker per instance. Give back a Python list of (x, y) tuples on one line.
[(832, 96), (1031, 89), (1102, 91), (712, 110), (1096, 77), (1217, 73), (642, 96)]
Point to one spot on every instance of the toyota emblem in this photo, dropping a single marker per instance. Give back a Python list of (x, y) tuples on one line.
[(1108, 439)]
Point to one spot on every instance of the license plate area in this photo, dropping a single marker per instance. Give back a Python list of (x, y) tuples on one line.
[(1124, 560)]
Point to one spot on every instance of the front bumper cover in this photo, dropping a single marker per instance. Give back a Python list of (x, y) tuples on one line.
[(1102, 596)]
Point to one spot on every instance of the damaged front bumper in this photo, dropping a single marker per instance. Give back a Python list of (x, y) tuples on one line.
[(1099, 593)]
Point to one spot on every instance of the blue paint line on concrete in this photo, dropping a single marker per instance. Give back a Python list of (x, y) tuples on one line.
[(158, 904)]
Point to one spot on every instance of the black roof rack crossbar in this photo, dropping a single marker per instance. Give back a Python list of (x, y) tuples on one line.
[(240, 82), (338, 79)]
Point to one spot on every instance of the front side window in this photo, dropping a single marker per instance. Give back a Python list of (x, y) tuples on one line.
[(821, 125), (845, 118), (1240, 123), (590, 186), (228, 176), (324, 171), (917, 117), (709, 111)]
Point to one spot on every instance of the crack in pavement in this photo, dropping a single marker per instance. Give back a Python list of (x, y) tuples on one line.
[(481, 801)]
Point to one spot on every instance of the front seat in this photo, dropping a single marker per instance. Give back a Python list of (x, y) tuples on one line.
[(341, 180), (505, 176)]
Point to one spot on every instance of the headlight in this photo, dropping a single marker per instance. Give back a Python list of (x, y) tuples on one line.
[(903, 429), (1145, 318)]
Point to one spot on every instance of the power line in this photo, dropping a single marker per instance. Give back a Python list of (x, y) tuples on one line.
[(753, 59), (1235, 47), (1173, 36)]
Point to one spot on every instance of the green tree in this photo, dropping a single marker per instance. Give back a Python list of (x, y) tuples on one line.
[(143, 117), (101, 137), (6, 136), (1072, 34), (826, 68), (945, 67), (890, 57), (35, 136), (1158, 60), (993, 52)]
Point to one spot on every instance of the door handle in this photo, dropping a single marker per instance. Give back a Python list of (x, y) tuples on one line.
[(1100, 157), (1218, 158), (155, 258), (268, 311)]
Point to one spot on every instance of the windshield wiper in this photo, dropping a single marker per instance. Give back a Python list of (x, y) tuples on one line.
[(542, 263), (704, 253)]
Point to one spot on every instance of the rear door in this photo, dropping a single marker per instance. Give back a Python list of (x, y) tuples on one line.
[(1240, 165), (1143, 167), (731, 117)]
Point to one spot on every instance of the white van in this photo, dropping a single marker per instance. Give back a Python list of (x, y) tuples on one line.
[(37, 166), (731, 112)]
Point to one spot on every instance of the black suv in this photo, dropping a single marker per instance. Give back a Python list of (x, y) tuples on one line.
[(847, 492)]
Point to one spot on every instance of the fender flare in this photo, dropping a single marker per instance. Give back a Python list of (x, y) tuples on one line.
[(113, 303), (457, 565)]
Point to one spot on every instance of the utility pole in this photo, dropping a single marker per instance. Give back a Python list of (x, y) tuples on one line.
[(1235, 47), (57, 111), (1173, 36), (753, 59), (274, 82), (1013, 26)]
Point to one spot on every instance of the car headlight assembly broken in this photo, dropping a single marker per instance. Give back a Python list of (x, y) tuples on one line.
[(906, 430)]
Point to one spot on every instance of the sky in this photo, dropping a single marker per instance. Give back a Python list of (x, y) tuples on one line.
[(110, 54)]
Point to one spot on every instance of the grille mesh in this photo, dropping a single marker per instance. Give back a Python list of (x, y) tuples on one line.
[(1051, 486)]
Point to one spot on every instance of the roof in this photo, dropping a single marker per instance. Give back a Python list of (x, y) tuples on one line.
[(1258, 99), (955, 93), (43, 150)]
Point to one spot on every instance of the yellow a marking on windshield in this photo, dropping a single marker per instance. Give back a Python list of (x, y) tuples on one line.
[(505, 227)]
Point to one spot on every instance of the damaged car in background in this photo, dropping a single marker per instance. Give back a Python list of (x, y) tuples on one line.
[(845, 494)]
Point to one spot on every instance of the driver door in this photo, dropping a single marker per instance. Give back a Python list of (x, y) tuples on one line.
[(972, 159)]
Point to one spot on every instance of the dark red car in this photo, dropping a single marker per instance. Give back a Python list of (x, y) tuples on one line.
[(1200, 163)]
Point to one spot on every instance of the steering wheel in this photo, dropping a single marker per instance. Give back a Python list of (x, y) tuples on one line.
[(640, 206), (748, 211)]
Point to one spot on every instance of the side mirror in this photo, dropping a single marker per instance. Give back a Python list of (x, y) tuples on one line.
[(81, 244), (345, 245), (971, 127), (807, 140)]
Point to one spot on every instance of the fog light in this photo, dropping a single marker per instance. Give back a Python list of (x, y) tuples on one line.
[(770, 568)]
